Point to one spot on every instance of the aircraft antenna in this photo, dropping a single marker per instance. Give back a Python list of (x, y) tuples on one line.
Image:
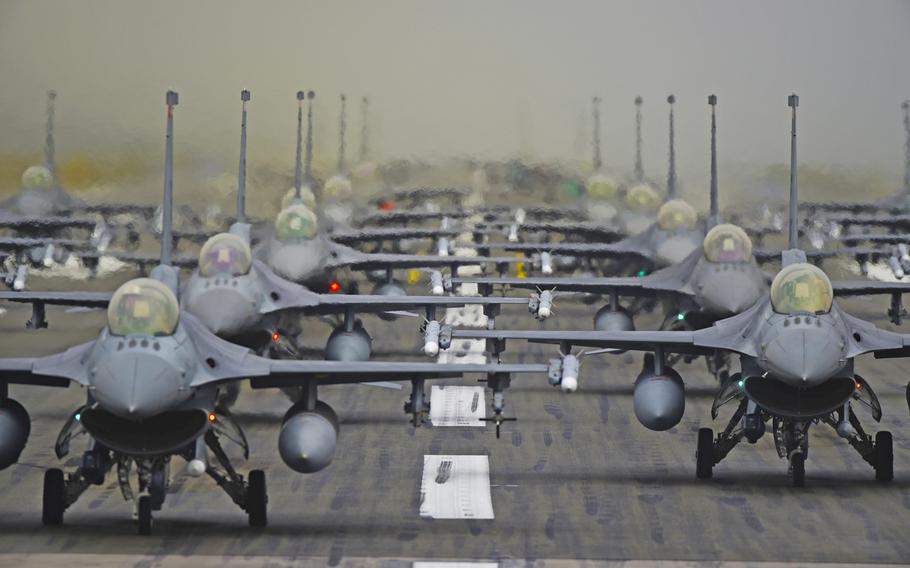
[(639, 168), (715, 206), (49, 148), (298, 167), (906, 106), (168, 206), (793, 102), (342, 126), (363, 129), (671, 173), (241, 175), (595, 103), (308, 171)]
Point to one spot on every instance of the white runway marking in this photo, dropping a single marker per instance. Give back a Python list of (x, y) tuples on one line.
[(456, 487), (456, 565), (457, 406)]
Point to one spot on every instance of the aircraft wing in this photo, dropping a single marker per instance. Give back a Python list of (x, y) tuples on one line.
[(673, 279), (343, 256), (730, 334), (140, 259), (882, 220), (86, 299), (225, 361), (399, 217), (772, 255), (332, 303), (625, 286), (621, 249), (869, 287), (669, 341), (106, 209), (50, 222), (593, 231), (390, 234), (545, 212), (839, 206), (25, 243), (285, 373), (893, 239), (57, 370)]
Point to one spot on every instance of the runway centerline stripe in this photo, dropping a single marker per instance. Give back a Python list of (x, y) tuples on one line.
[(456, 487), (453, 405)]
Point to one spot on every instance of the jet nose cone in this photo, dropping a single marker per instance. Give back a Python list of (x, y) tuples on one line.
[(804, 354), (136, 384)]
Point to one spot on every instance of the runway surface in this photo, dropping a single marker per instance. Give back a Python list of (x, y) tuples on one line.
[(576, 477)]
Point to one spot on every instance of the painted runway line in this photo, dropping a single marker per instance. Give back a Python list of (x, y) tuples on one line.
[(456, 487), (457, 406)]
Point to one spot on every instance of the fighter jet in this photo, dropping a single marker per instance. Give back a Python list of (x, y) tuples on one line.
[(153, 378), (796, 349)]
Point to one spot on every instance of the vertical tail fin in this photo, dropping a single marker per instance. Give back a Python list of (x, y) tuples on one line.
[(50, 160), (363, 129), (167, 208), (308, 167), (298, 164), (793, 102), (342, 126), (241, 175), (715, 206), (906, 106), (639, 168), (595, 103), (671, 173)]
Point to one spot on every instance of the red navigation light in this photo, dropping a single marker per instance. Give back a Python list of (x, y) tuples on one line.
[(387, 205), (276, 337), (334, 287)]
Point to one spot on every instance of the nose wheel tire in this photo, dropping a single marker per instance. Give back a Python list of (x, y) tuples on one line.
[(54, 498), (884, 456), (257, 499), (144, 510), (704, 454), (798, 469)]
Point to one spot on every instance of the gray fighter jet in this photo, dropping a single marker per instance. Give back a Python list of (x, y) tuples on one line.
[(796, 348), (153, 378)]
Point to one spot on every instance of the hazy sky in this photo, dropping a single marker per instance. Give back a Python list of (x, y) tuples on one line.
[(467, 77)]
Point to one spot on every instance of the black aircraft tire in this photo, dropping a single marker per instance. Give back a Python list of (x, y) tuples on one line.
[(704, 454), (257, 499), (144, 508), (798, 463), (884, 456), (54, 498)]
